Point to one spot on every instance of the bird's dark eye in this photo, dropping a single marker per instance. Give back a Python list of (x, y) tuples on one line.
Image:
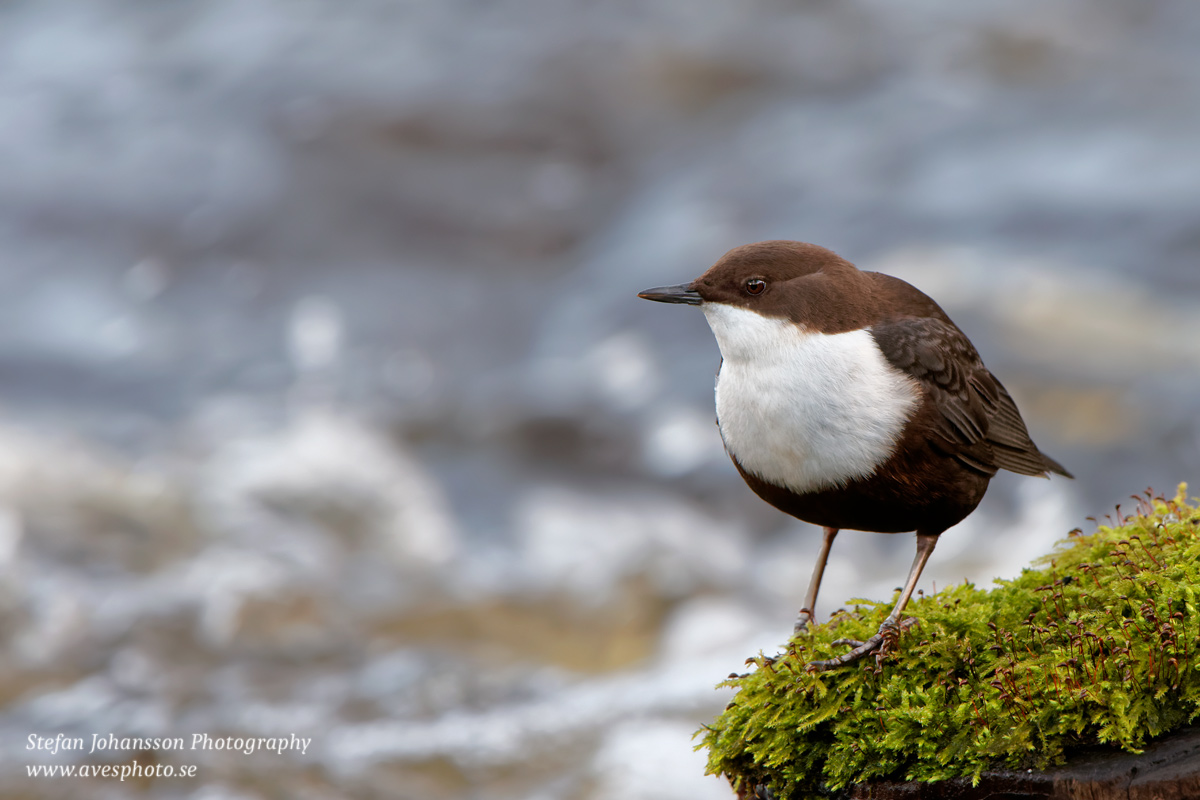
[(755, 286)]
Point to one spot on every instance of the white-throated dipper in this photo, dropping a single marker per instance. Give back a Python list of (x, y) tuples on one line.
[(848, 399)]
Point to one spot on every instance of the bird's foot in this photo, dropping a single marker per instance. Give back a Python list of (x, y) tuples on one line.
[(846, 643), (881, 644), (860, 649), (802, 621)]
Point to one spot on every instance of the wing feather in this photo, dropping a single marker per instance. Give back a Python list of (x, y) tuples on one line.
[(977, 423)]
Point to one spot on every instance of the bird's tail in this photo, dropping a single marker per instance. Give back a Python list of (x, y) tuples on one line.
[(1053, 466)]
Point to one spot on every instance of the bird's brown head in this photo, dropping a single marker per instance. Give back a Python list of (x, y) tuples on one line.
[(803, 282)]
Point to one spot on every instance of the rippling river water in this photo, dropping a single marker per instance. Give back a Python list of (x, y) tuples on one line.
[(327, 409)]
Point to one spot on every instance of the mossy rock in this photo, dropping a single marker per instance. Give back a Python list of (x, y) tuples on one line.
[(1096, 645)]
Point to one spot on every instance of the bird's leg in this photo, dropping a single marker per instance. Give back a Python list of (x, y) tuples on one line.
[(808, 612), (889, 631)]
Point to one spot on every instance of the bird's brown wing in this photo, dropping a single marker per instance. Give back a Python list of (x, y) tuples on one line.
[(976, 421)]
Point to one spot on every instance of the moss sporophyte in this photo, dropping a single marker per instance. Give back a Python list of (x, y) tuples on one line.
[(1096, 644)]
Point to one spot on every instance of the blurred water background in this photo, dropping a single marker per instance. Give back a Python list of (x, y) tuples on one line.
[(327, 407)]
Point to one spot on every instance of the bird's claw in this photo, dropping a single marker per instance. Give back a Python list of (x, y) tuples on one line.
[(846, 642), (802, 621), (860, 650), (881, 644)]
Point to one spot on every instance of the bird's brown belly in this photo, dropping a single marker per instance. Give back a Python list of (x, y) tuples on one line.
[(925, 493)]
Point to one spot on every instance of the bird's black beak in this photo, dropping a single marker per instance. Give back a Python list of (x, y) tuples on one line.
[(680, 293)]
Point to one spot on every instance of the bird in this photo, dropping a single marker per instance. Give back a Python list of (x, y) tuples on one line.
[(849, 399)]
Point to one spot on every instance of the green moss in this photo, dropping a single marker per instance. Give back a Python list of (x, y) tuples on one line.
[(1096, 645)]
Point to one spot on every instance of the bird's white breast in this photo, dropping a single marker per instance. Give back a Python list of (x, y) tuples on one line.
[(802, 409)]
